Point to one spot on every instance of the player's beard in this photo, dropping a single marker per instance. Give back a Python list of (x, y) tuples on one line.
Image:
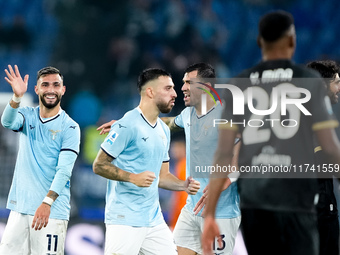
[(333, 97), (50, 105), (165, 107)]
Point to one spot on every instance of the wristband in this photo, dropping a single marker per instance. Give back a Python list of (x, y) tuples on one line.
[(16, 99), (48, 200)]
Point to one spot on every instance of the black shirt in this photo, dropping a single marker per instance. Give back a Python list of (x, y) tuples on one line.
[(280, 139), (327, 204)]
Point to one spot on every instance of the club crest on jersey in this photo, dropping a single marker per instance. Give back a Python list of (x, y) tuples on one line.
[(54, 133), (112, 138)]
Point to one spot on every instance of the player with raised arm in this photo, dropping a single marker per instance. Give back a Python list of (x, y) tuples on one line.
[(278, 210), (39, 198), (134, 158)]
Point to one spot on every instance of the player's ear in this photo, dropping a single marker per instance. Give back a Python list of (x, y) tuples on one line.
[(36, 89), (64, 90), (149, 92), (258, 40), (291, 41)]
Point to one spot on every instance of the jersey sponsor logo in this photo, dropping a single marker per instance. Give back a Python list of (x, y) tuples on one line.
[(112, 138), (54, 133), (121, 126), (145, 138)]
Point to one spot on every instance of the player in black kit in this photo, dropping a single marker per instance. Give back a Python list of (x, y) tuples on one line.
[(277, 184), (327, 212)]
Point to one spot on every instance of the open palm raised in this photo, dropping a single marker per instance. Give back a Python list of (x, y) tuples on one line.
[(19, 86)]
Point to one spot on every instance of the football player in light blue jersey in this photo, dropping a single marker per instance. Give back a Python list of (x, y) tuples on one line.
[(134, 157), (39, 198), (201, 140)]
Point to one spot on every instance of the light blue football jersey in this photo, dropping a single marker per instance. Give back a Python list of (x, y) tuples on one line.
[(46, 156), (136, 146), (201, 142)]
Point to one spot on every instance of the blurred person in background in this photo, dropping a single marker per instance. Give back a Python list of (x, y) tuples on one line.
[(177, 152), (327, 210)]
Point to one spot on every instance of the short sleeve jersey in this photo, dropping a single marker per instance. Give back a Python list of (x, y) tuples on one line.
[(40, 144), (136, 146), (201, 142)]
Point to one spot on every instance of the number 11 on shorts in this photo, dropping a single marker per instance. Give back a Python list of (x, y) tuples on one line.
[(51, 243)]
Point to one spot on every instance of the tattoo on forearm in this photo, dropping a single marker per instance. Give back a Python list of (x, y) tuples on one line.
[(113, 172), (120, 175), (52, 195)]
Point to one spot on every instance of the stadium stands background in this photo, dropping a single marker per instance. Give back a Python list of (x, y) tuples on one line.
[(101, 46)]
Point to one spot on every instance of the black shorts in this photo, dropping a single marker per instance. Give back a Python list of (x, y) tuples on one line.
[(280, 233), (328, 226)]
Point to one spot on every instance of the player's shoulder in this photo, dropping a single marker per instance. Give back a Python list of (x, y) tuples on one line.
[(67, 119), (216, 111), (68, 122), (163, 125), (186, 111), (297, 70), (128, 122), (184, 115), (301, 71), (29, 110), (130, 115)]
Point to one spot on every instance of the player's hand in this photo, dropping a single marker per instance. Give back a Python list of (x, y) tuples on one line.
[(210, 231), (19, 86), (191, 186), (144, 179), (41, 216), (106, 127), (202, 201)]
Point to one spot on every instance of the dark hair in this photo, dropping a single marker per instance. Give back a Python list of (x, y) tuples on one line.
[(274, 25), (327, 68), (204, 70), (149, 75), (48, 70)]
